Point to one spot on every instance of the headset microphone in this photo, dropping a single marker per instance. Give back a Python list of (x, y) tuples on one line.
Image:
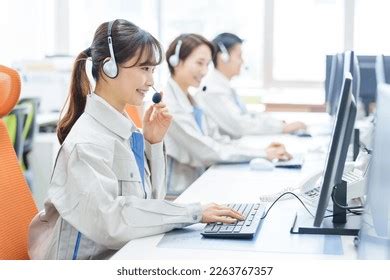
[(204, 88), (156, 96), (225, 56)]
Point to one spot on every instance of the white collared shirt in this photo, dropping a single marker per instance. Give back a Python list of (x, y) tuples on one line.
[(96, 199), (189, 150), (219, 103)]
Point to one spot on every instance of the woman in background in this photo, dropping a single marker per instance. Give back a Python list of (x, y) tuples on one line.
[(193, 141)]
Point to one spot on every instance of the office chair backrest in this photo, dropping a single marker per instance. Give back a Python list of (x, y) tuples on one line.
[(30, 126), (15, 123), (17, 207), (135, 114)]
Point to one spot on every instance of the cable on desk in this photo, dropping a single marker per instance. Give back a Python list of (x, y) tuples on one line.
[(349, 212), (346, 207), (283, 194)]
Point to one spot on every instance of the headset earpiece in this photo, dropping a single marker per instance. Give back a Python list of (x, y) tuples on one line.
[(224, 52), (110, 68), (174, 59)]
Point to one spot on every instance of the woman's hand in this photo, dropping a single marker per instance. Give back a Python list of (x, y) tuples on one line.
[(294, 126), (218, 213), (156, 122), (277, 151)]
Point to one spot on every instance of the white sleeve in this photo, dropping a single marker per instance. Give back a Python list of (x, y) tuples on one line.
[(187, 145), (156, 157), (227, 115), (84, 191)]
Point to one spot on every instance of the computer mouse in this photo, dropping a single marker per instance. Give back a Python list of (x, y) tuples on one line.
[(301, 133), (261, 164)]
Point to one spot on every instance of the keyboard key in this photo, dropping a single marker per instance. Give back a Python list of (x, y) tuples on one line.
[(226, 229), (247, 210), (242, 208), (216, 228), (237, 229)]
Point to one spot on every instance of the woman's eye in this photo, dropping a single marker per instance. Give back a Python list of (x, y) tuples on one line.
[(148, 68)]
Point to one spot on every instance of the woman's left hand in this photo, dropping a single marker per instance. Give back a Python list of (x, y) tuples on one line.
[(156, 122)]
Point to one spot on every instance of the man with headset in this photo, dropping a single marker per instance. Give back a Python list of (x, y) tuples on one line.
[(232, 117)]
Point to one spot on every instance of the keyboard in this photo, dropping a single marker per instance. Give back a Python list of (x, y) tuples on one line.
[(296, 162), (241, 229)]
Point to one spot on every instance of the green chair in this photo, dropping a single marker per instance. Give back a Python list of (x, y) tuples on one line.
[(30, 126), (15, 123)]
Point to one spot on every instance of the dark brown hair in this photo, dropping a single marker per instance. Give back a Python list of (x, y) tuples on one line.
[(128, 41), (190, 42), (229, 40)]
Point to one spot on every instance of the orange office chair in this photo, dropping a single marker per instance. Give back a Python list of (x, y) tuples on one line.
[(17, 207), (135, 114)]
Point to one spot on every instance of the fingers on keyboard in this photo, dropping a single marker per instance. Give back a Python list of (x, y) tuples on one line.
[(230, 213), (225, 220)]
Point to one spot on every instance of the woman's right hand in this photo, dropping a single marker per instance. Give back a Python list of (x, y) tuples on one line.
[(212, 213), (277, 151), (294, 126)]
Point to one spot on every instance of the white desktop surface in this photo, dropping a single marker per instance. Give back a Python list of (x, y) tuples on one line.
[(239, 184), (42, 160), (47, 118)]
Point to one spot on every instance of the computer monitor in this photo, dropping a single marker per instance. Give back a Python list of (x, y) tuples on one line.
[(368, 83), (382, 69), (335, 83), (330, 64), (332, 183), (351, 65), (341, 64), (375, 230)]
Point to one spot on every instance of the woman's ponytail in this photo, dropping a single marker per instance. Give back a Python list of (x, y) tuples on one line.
[(80, 87)]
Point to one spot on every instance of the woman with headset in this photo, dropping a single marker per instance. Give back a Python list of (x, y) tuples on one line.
[(108, 183), (239, 122), (193, 141)]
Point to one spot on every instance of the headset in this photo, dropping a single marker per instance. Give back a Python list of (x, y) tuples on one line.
[(110, 68), (224, 52), (174, 59)]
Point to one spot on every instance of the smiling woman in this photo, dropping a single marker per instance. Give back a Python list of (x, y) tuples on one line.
[(193, 140), (109, 181)]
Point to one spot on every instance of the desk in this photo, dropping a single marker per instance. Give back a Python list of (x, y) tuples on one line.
[(237, 183), (42, 158), (49, 118)]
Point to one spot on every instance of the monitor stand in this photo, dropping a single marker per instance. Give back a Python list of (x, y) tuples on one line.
[(339, 225)]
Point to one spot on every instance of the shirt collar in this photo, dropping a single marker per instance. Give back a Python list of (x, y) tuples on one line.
[(180, 96), (220, 78), (109, 117)]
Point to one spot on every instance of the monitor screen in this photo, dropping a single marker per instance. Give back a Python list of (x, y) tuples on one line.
[(332, 184), (368, 79), (330, 65), (382, 69), (335, 82), (341, 64), (375, 230), (338, 149)]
